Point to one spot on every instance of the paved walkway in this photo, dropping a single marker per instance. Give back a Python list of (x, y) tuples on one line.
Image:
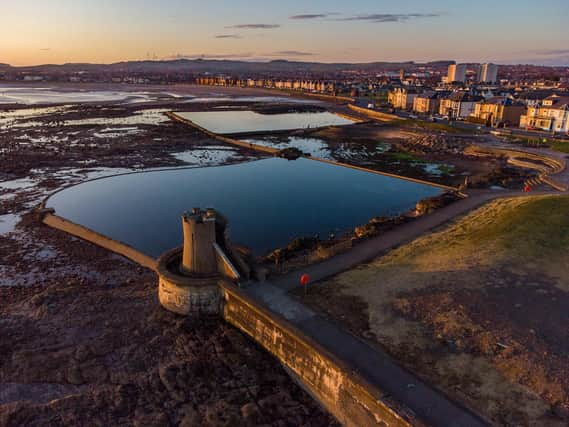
[(372, 363), (374, 247)]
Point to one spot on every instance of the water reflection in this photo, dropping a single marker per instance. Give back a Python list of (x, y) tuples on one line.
[(268, 202), (248, 121)]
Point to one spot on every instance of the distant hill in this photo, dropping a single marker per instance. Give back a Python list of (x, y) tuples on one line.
[(240, 68), (224, 66)]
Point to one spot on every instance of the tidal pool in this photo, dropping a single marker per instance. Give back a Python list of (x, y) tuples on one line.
[(225, 122), (267, 202), (313, 146)]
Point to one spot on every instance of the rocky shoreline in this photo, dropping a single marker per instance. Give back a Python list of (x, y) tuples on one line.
[(83, 340)]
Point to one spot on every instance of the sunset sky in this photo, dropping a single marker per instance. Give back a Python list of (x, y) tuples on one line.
[(104, 31)]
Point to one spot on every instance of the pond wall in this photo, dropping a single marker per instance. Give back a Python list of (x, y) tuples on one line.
[(328, 379), (273, 151), (346, 395), (98, 239)]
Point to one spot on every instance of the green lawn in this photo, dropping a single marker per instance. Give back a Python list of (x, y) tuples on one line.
[(518, 230), (434, 126), (405, 157), (562, 147)]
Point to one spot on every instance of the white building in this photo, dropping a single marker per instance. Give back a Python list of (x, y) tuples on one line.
[(456, 73), (458, 105), (552, 115), (487, 73)]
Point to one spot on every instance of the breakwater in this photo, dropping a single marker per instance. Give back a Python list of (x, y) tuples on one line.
[(273, 151), (377, 115), (330, 380)]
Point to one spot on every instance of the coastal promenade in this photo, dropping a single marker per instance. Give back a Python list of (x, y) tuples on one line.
[(377, 246), (372, 363)]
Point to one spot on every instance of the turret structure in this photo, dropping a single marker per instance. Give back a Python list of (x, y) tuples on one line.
[(199, 237), (190, 276)]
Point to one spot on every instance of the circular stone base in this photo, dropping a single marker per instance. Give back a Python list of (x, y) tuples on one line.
[(193, 295)]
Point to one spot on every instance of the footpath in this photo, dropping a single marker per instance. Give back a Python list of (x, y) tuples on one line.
[(372, 363)]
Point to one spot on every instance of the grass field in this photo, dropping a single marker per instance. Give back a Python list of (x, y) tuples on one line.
[(479, 308), (433, 126), (519, 231), (562, 147)]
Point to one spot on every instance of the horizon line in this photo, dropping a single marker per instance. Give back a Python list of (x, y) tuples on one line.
[(262, 60)]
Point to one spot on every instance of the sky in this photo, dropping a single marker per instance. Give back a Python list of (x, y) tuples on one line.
[(105, 31)]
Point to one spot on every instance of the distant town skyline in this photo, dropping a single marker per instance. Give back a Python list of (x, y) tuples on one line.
[(37, 32)]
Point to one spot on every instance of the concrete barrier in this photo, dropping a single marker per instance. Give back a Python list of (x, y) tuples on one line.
[(84, 233), (293, 93), (228, 140), (351, 117), (324, 97), (405, 178), (274, 151), (377, 115), (341, 391)]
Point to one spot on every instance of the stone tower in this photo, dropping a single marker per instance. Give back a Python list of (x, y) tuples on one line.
[(199, 238), (190, 276)]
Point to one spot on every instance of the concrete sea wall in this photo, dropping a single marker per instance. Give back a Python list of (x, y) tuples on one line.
[(273, 151), (84, 233), (405, 178), (333, 383), (324, 97), (226, 139), (329, 380), (377, 115)]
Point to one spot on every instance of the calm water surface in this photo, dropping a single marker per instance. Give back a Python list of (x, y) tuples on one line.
[(268, 202), (249, 121)]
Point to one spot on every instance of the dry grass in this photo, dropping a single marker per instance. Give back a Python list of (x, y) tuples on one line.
[(530, 232), (518, 243)]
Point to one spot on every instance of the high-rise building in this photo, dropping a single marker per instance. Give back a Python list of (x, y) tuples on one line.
[(487, 73), (456, 73)]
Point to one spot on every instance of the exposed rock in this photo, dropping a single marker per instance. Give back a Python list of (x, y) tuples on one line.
[(190, 417), (561, 411), (155, 419), (429, 205), (74, 375), (250, 413)]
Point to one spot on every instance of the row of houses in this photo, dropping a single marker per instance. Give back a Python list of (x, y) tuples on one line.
[(549, 113), (300, 85), (452, 104)]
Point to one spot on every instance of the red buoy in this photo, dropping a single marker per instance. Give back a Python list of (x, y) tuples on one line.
[(304, 279)]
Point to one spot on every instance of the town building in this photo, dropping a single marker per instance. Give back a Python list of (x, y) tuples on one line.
[(458, 105), (552, 115), (456, 73), (498, 111), (402, 98), (427, 103), (533, 98), (487, 73)]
